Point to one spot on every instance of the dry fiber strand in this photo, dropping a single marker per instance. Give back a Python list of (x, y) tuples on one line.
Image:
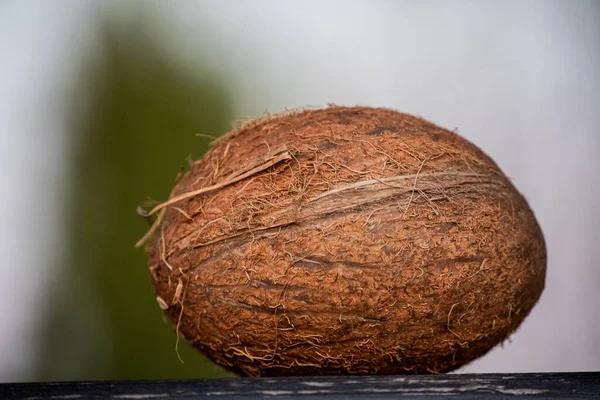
[(345, 241)]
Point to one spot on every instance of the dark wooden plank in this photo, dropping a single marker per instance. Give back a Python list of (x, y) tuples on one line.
[(473, 386)]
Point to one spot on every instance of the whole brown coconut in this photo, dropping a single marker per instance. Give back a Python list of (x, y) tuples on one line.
[(345, 241)]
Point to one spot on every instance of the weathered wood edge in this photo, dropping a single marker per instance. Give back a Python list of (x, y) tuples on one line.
[(584, 385)]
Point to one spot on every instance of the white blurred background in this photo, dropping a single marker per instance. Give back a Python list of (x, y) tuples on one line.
[(521, 79)]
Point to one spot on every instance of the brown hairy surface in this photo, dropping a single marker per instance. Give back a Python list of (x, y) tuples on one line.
[(345, 241)]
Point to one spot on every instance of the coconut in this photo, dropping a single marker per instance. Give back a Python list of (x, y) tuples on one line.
[(345, 241)]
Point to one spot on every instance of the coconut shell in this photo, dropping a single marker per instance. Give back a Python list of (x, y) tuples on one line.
[(345, 241)]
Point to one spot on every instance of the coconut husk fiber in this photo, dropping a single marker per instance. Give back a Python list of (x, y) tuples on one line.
[(345, 241)]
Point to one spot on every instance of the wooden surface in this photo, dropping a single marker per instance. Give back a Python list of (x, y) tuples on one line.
[(472, 386)]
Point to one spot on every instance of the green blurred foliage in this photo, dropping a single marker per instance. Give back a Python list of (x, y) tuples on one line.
[(134, 115)]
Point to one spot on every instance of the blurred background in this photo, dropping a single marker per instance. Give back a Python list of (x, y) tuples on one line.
[(100, 103)]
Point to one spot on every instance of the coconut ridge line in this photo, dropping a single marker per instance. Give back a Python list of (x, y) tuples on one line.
[(367, 192), (357, 185), (383, 244), (283, 155), (320, 207)]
